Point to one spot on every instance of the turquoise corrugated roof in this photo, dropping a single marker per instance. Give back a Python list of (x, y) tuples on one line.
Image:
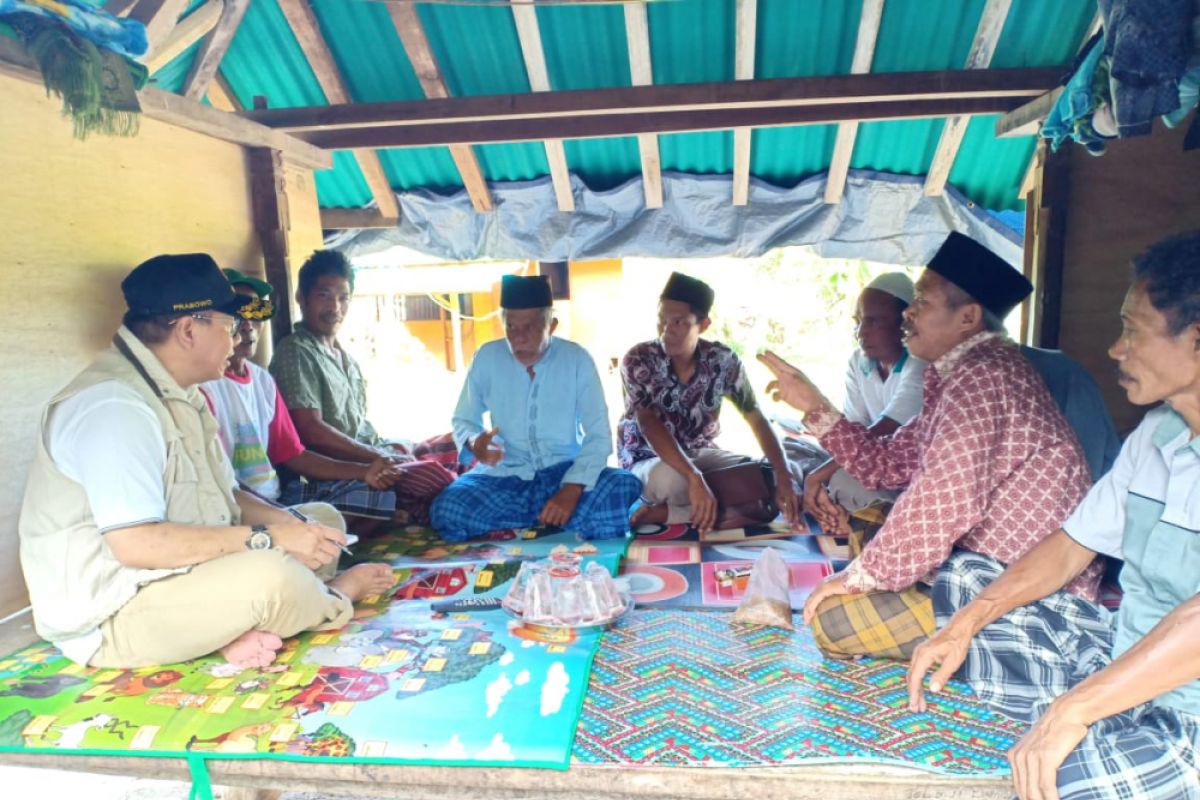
[(585, 47)]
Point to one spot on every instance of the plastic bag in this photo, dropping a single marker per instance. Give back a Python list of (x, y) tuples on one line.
[(766, 601)]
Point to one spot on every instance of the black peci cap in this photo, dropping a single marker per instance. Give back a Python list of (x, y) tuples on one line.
[(990, 280), (180, 284)]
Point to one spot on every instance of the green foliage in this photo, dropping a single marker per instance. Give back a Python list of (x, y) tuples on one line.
[(788, 301)]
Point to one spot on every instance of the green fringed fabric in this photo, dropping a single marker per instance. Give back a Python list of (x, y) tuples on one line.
[(96, 86)]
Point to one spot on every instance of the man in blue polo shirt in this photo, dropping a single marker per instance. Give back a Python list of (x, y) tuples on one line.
[(1115, 698)]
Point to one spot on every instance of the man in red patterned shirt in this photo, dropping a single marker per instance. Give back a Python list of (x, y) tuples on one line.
[(990, 464)]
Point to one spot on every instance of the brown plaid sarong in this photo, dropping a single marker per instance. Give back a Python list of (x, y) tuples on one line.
[(865, 523), (881, 624)]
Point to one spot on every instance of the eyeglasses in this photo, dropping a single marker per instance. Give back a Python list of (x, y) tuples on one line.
[(233, 326)]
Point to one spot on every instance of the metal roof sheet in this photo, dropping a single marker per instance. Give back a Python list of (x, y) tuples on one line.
[(479, 53)]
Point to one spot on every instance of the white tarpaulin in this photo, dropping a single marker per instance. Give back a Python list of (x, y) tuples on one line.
[(884, 218)]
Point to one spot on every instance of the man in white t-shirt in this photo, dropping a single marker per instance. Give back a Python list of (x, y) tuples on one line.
[(256, 429), (136, 544), (884, 390)]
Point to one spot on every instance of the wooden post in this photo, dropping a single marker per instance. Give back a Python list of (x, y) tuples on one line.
[(268, 197), (1050, 241)]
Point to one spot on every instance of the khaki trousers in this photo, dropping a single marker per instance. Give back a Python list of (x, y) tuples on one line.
[(196, 613)]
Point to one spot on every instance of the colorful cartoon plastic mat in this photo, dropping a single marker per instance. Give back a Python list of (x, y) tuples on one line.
[(688, 688), (486, 689)]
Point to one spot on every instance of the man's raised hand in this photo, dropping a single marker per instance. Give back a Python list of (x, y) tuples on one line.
[(791, 385), (487, 450)]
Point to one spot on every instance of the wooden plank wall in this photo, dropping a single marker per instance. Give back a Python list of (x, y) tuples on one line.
[(77, 217), (1140, 191)]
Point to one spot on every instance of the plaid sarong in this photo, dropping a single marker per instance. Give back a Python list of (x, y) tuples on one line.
[(1030, 656), (881, 624), (354, 498), (442, 450), (865, 523), (420, 482), (477, 503)]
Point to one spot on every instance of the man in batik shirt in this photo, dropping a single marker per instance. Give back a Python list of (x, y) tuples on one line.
[(674, 386), (989, 465)]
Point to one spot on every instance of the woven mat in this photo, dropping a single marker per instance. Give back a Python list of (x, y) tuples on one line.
[(687, 688)]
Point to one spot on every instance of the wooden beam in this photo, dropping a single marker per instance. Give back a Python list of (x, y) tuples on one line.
[(188, 114), (213, 49), (530, 36), (420, 54), (159, 17), (584, 127), (651, 169), (1029, 182), (843, 146), (222, 96), (1015, 85), (743, 70), (268, 201), (303, 23), (378, 182), (185, 113), (185, 34), (1050, 233), (334, 219), (742, 143), (560, 174), (1027, 119), (987, 35), (641, 73)]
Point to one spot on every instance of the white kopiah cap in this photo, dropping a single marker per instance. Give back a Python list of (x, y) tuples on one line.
[(897, 284)]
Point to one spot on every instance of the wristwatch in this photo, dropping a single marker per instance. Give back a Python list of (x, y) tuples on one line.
[(259, 538)]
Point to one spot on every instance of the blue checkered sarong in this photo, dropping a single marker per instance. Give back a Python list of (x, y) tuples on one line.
[(1033, 654), (477, 503)]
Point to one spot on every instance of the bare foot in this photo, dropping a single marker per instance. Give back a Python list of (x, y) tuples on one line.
[(364, 580), (252, 649), (649, 514)]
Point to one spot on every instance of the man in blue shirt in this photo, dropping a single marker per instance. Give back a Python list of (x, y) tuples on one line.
[(1116, 702), (542, 461)]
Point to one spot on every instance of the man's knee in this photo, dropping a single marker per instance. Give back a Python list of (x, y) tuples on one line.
[(446, 499), (426, 478), (664, 483), (324, 514), (449, 511), (621, 483), (961, 579)]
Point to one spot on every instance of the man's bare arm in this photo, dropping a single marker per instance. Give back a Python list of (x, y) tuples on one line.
[(319, 435)]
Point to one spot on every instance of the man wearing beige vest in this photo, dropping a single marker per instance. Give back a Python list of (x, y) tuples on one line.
[(137, 546)]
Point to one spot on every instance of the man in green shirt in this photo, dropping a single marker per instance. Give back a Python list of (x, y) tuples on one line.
[(324, 390)]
